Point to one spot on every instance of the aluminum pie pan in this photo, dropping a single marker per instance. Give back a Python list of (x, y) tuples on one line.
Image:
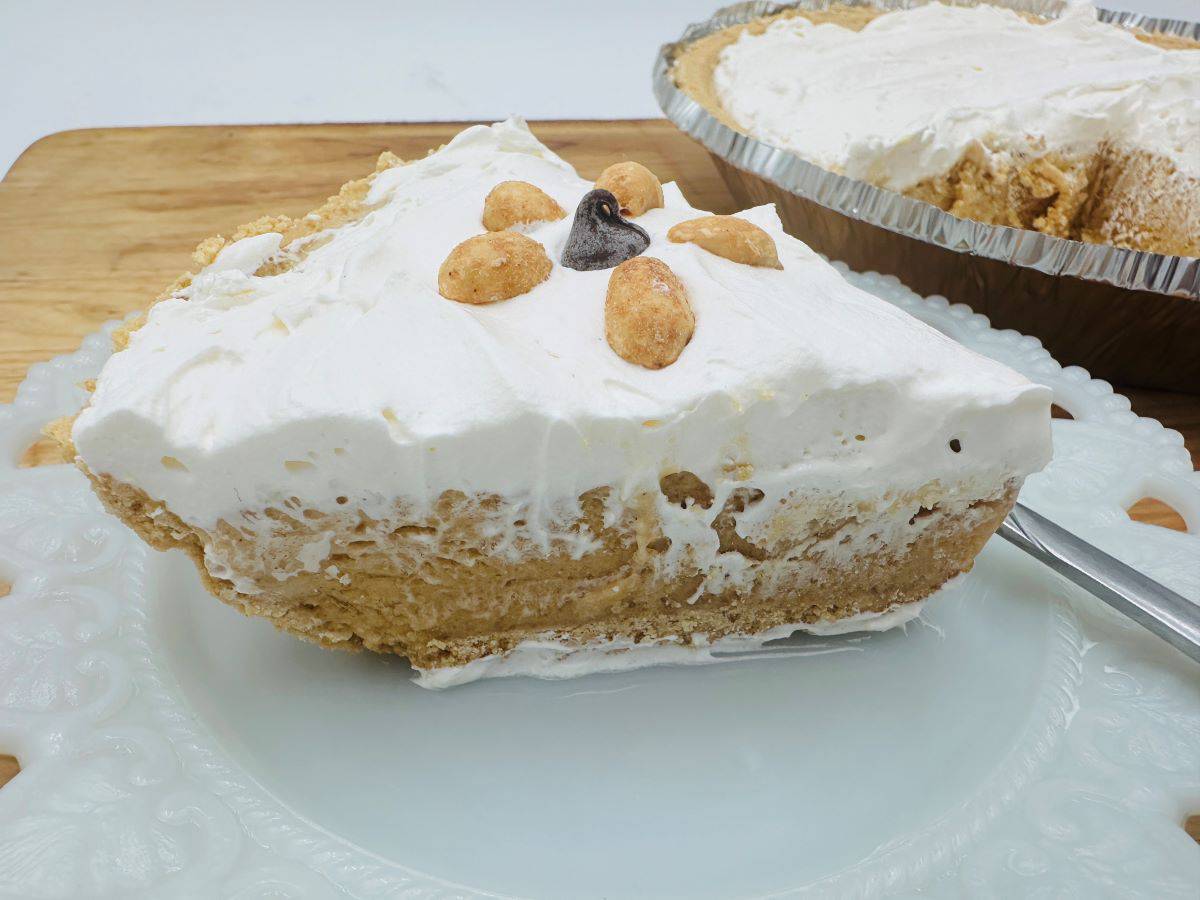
[(1129, 315)]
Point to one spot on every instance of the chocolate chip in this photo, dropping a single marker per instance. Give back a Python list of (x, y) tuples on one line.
[(600, 238)]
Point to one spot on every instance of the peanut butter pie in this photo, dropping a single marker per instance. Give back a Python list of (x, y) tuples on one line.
[(483, 413), (1072, 126)]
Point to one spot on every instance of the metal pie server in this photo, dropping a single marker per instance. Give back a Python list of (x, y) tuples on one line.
[(1170, 615)]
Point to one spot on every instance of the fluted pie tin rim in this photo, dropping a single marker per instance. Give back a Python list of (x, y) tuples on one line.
[(1141, 270)]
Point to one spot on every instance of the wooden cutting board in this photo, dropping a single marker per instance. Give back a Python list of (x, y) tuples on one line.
[(94, 223)]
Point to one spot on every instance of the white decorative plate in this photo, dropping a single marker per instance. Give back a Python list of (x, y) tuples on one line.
[(1019, 741)]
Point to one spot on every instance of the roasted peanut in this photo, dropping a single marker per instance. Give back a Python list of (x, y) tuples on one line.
[(730, 237), (493, 266), (636, 188), (647, 317), (517, 203)]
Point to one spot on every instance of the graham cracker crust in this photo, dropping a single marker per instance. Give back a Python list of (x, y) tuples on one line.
[(1115, 196)]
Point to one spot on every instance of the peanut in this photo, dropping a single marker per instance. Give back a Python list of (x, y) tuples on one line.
[(730, 237), (517, 203), (494, 266), (636, 188), (647, 317)]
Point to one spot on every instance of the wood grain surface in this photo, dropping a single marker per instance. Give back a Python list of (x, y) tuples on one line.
[(94, 223)]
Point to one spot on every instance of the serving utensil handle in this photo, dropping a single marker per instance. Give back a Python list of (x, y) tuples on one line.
[(1170, 615)]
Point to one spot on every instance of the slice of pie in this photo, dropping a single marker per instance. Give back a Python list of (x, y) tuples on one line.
[(475, 404), (1072, 127)]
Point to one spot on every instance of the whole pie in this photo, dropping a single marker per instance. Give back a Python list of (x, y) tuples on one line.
[(1072, 127), (481, 412)]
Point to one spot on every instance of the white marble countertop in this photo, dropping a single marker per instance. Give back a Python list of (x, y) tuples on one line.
[(146, 62)]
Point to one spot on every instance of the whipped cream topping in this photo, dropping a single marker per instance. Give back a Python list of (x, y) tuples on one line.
[(347, 379), (904, 98)]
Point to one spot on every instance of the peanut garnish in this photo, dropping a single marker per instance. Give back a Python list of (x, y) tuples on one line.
[(518, 203), (647, 318), (493, 266), (730, 237), (636, 188)]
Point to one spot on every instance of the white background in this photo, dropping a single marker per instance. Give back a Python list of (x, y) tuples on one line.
[(134, 62)]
